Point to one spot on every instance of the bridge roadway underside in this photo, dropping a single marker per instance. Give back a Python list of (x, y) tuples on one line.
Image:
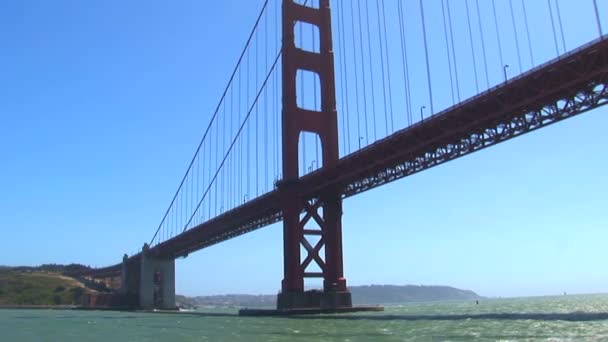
[(562, 88)]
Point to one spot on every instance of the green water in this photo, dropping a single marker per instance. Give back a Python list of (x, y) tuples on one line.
[(565, 318)]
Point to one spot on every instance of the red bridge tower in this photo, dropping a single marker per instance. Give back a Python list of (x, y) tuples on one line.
[(324, 123)]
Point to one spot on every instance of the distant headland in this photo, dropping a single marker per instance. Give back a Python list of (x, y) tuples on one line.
[(362, 295)]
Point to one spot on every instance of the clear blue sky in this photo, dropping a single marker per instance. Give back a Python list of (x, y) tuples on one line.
[(102, 105)]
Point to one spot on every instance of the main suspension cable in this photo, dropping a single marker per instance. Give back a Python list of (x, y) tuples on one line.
[(247, 116), (255, 26)]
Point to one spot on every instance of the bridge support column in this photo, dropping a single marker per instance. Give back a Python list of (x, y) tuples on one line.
[(157, 282), (129, 277), (129, 281), (326, 227)]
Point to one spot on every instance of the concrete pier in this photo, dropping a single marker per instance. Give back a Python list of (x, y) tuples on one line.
[(157, 282)]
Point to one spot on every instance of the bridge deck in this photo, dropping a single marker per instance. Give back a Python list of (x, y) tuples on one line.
[(564, 87)]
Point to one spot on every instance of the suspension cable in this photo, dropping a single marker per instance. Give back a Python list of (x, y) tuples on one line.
[(561, 26), (453, 50), (447, 49), (303, 103), (255, 26), (388, 66), (553, 27), (266, 133), (502, 62), (257, 117), (405, 64), (344, 82), (483, 44), (371, 69), (597, 18), (356, 75), (247, 116), (466, 2), (363, 73), (314, 44), (516, 35), (523, 4), (382, 67), (426, 53)]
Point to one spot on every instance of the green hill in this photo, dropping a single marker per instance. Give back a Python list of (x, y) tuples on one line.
[(362, 295), (39, 288), (393, 294)]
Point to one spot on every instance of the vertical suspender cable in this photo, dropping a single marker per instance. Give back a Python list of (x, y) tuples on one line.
[(502, 62), (232, 163), (447, 49), (180, 207), (232, 144), (198, 169), (466, 2), (356, 75), (345, 74), (597, 18), (223, 171), (266, 113), (302, 97), (382, 66), (217, 157), (516, 35), (240, 147), (257, 118), (523, 4), (406, 79), (483, 44), (363, 72), (277, 97), (453, 50), (247, 135), (213, 117), (185, 190), (426, 53), (208, 159), (388, 65), (561, 26), (342, 111), (192, 189), (314, 47), (371, 68), (553, 27)]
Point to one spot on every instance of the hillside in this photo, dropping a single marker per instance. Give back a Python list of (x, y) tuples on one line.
[(39, 288), (362, 295), (392, 294)]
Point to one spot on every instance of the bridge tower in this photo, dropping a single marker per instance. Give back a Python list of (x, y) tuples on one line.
[(299, 213)]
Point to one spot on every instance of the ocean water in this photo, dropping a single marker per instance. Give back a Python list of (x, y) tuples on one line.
[(564, 318)]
